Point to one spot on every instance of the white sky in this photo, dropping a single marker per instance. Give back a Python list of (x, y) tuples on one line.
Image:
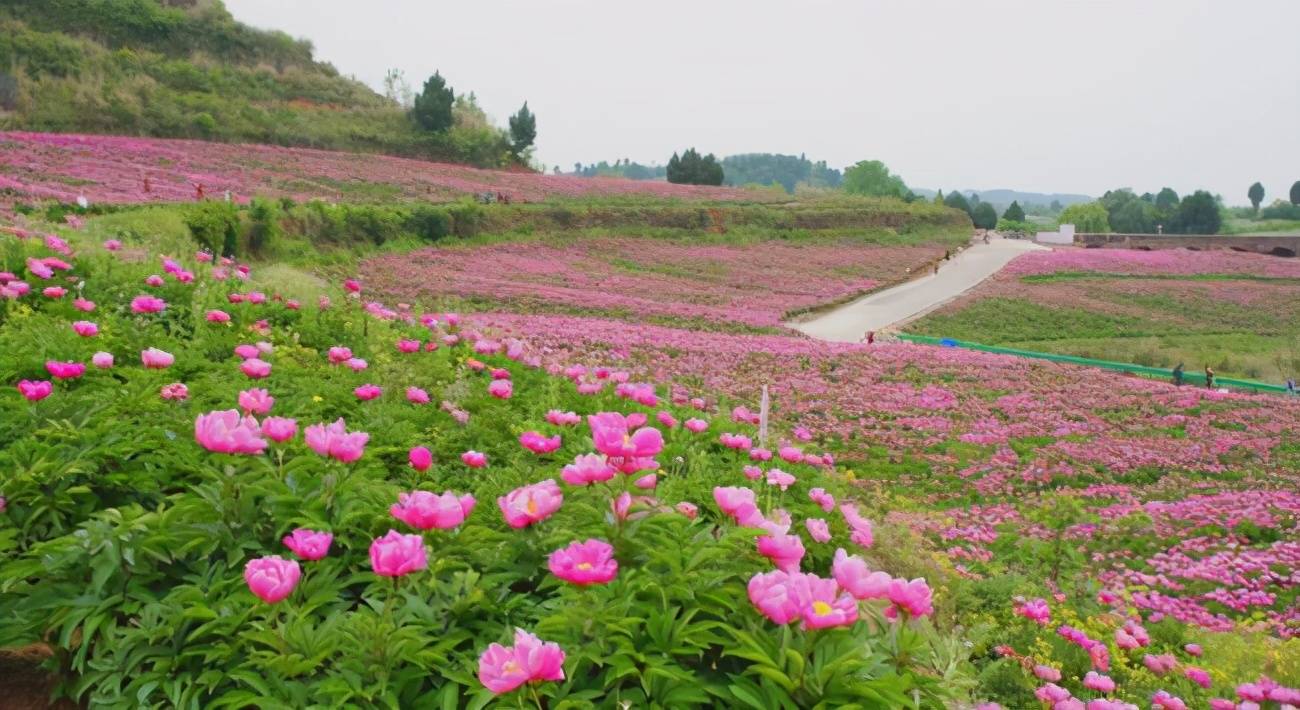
[(1041, 95)]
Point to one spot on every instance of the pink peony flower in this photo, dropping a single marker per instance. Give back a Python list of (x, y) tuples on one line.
[(247, 351), (501, 669), (272, 578), (309, 544), (35, 391), (1161, 664), (818, 529), (147, 304), (420, 458), (226, 432), (690, 510), (396, 555), (646, 482), (860, 526), (356, 364), (777, 596), (367, 392), (785, 551), (83, 305), (760, 454), (695, 426), (777, 477), (501, 389), (1198, 676), (1098, 682), (914, 597), (753, 473), (408, 346), (156, 359), (530, 504), (825, 605), (474, 459), (559, 418), (423, 510), (822, 498), (587, 469), (279, 429), (584, 563), (539, 444), (256, 401), (1035, 610), (339, 354), (255, 368), (852, 573), (415, 395), (1163, 700), (85, 328), (112, 244), (217, 316), (174, 391), (1047, 673), (336, 442), (102, 360), (65, 370)]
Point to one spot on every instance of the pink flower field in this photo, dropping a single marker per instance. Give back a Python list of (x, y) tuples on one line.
[(719, 284), (113, 169), (1161, 262)]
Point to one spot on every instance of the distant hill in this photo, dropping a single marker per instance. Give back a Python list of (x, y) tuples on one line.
[(188, 69), (1000, 199)]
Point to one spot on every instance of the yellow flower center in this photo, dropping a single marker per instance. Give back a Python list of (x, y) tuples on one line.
[(531, 507), (821, 608), (510, 667), (584, 566)]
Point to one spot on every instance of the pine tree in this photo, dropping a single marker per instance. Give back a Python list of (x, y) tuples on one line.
[(523, 130), (1014, 213), (432, 108)]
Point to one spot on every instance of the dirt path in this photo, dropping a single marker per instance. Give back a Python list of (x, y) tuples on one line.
[(850, 322)]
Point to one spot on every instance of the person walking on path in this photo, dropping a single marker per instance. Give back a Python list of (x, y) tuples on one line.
[(1290, 385), (1178, 375), (1209, 378)]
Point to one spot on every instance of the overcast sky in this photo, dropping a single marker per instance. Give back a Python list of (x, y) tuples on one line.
[(1038, 95)]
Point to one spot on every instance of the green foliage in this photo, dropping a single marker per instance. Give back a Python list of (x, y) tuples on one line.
[(694, 169), (214, 225), (264, 226), (786, 170), (1167, 200), (1135, 217), (1280, 210), (958, 201), (1256, 195), (523, 130), (432, 108), (123, 542), (872, 177), (1014, 213), (985, 217), (1087, 217), (1198, 213)]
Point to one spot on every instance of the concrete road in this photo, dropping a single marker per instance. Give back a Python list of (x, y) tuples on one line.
[(850, 322)]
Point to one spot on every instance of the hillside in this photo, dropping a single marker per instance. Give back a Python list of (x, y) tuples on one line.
[(1001, 198), (115, 169), (188, 69)]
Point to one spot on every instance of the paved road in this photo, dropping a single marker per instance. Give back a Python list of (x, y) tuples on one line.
[(850, 322)]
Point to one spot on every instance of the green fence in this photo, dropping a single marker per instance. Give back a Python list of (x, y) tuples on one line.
[(1193, 378)]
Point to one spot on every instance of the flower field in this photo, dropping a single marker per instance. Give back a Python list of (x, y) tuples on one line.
[(217, 496), (715, 285), (126, 170), (1238, 313)]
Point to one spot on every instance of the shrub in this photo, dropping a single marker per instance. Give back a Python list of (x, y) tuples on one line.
[(214, 225)]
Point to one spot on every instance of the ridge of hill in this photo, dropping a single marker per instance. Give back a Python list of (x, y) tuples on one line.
[(188, 69)]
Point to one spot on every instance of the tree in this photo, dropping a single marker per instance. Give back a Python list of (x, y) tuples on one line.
[(938, 197), (1014, 213), (1198, 213), (693, 169), (432, 108), (1135, 217), (1256, 195), (523, 130), (1167, 200), (1295, 193), (957, 201), (871, 177), (1087, 217), (396, 88), (985, 216)]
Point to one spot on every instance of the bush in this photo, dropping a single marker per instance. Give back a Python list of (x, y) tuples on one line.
[(264, 228), (214, 225)]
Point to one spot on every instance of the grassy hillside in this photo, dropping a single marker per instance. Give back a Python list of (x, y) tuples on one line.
[(188, 69)]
